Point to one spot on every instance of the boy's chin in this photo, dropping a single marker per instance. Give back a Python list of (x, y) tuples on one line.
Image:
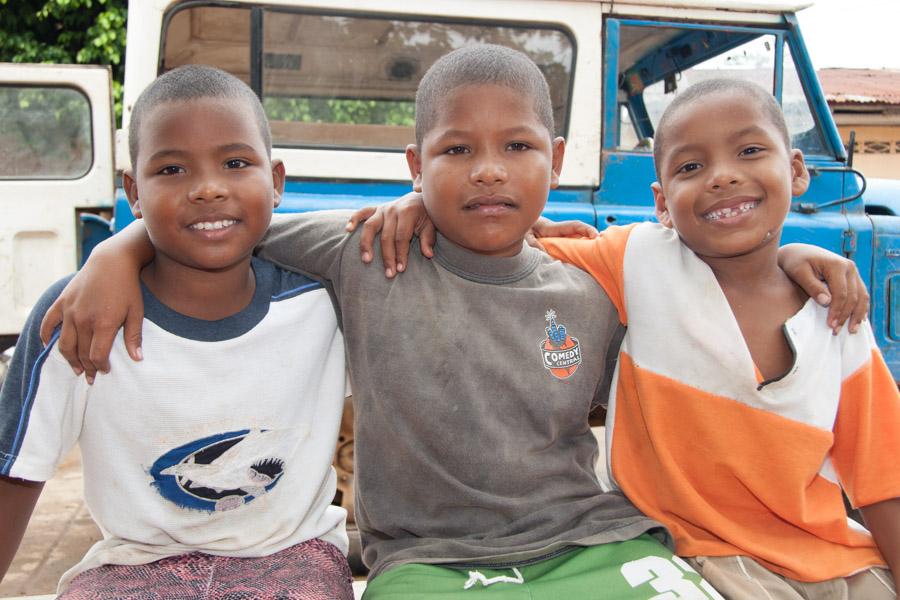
[(509, 246)]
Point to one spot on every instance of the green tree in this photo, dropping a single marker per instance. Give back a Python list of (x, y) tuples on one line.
[(66, 31)]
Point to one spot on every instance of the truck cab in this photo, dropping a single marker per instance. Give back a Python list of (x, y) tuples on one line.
[(338, 78)]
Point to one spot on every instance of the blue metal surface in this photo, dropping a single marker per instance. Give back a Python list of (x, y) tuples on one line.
[(94, 229), (121, 211), (885, 288), (894, 305), (702, 43), (610, 126), (779, 66)]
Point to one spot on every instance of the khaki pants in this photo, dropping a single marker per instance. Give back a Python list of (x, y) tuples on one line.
[(742, 578)]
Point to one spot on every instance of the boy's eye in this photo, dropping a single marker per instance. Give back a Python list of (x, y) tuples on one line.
[(751, 150), (236, 163), (171, 170), (518, 146), (688, 167), (457, 150)]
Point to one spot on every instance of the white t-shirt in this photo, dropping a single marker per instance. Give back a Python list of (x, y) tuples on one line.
[(219, 441)]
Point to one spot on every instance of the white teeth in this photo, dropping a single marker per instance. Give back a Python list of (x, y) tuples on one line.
[(724, 213), (213, 225)]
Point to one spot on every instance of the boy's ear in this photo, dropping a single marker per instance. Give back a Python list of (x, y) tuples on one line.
[(414, 160), (131, 192), (559, 151), (662, 208), (799, 174), (278, 179)]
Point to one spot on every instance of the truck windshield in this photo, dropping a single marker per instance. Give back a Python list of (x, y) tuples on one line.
[(347, 80), (655, 62)]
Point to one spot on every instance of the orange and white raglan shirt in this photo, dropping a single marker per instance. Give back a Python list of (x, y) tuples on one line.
[(733, 465)]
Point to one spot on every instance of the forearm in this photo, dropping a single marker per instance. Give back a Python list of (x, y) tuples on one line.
[(17, 500), (132, 244), (883, 520), (311, 243)]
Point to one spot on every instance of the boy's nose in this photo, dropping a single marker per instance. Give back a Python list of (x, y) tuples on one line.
[(208, 190), (488, 171), (723, 177)]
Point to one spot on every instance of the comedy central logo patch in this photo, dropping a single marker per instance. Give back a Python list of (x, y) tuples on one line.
[(561, 352)]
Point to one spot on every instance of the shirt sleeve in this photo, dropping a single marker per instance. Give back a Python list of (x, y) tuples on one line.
[(41, 403), (310, 243), (867, 428), (602, 257)]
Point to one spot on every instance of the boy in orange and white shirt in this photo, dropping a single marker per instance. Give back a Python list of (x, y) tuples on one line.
[(736, 417)]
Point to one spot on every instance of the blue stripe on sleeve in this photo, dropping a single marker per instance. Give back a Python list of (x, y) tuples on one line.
[(27, 403)]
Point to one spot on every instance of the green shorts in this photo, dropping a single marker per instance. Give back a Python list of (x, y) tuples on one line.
[(638, 569)]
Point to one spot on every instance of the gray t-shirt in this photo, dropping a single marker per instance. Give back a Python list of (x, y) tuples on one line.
[(473, 377)]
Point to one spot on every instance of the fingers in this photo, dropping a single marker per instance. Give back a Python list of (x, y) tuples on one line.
[(370, 229), (835, 276), (532, 240), (427, 239), (83, 340), (544, 227), (408, 223), (388, 244), (68, 346), (360, 216), (132, 333), (851, 299), (858, 315), (52, 318), (575, 229)]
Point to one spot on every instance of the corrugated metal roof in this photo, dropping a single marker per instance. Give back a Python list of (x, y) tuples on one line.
[(861, 86)]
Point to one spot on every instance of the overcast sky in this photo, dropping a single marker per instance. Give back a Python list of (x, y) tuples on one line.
[(853, 34)]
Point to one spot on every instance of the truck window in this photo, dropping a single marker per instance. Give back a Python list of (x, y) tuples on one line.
[(45, 133), (652, 79), (656, 62), (805, 132), (340, 81)]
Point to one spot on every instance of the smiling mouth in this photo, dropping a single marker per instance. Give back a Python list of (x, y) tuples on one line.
[(731, 211), (212, 225), (489, 205)]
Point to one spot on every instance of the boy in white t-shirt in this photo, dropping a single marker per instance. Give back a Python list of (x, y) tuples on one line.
[(207, 466)]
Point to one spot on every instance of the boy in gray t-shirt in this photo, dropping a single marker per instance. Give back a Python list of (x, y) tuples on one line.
[(474, 372)]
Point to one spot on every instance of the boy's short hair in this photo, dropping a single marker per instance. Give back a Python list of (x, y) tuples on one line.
[(481, 64), (193, 82), (752, 93)]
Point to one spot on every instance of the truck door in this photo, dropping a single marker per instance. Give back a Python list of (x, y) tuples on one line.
[(56, 133)]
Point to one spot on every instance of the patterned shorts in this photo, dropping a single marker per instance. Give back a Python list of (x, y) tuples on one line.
[(313, 570)]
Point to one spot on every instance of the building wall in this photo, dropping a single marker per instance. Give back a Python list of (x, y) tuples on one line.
[(877, 152)]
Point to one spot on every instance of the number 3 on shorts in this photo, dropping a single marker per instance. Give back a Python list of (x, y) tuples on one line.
[(668, 578)]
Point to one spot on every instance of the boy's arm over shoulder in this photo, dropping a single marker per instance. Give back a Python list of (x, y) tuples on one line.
[(603, 257), (867, 426), (311, 243)]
